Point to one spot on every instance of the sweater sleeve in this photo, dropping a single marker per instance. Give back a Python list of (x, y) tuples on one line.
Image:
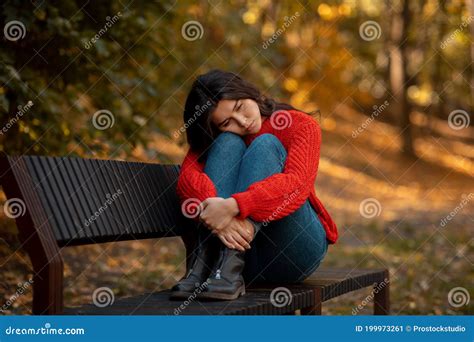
[(192, 181), (283, 193)]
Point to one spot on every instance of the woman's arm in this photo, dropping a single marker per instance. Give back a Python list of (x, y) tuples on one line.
[(193, 183), (281, 194)]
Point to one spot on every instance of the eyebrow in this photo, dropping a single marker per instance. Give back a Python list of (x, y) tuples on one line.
[(233, 110)]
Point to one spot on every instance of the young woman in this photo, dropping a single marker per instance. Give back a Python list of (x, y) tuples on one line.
[(247, 183)]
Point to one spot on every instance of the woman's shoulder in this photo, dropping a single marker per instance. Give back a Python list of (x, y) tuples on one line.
[(302, 119)]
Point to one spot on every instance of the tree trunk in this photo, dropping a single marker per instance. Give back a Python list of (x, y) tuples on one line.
[(398, 74), (438, 75), (470, 6)]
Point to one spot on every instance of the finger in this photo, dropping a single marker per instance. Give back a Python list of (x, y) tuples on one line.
[(203, 205), (202, 215), (236, 244), (246, 234), (237, 237), (225, 241)]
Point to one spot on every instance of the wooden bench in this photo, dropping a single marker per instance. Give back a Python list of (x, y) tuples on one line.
[(60, 194)]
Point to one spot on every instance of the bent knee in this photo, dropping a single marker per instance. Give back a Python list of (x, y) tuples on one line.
[(265, 143), (266, 139), (229, 138)]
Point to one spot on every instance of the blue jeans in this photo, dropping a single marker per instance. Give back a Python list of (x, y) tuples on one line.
[(284, 250)]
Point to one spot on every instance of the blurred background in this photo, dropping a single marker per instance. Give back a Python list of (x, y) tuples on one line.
[(393, 81)]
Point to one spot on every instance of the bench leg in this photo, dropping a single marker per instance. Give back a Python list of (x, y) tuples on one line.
[(316, 308), (48, 289), (382, 297)]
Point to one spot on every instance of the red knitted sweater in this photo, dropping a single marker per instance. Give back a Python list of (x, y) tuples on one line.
[(280, 194)]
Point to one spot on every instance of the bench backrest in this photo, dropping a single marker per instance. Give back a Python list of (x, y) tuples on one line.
[(86, 201)]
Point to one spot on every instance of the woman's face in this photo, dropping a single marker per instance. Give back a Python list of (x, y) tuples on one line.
[(241, 116)]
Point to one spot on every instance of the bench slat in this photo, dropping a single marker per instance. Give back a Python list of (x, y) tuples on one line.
[(81, 202), (158, 303)]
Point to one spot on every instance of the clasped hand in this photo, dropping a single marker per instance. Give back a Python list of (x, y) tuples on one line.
[(218, 214)]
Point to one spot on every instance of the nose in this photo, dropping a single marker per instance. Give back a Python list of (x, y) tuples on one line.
[(242, 121)]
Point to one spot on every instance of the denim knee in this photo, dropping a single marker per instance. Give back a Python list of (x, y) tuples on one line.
[(265, 143), (230, 139)]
